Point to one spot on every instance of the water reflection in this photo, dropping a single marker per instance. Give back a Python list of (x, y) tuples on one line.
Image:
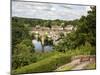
[(38, 46)]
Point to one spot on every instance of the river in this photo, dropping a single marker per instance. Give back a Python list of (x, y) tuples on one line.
[(38, 46)]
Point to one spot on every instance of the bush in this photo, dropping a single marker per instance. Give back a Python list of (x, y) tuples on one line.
[(46, 65), (86, 49), (22, 60), (83, 49)]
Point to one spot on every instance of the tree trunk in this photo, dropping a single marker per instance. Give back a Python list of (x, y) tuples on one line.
[(42, 42), (42, 48)]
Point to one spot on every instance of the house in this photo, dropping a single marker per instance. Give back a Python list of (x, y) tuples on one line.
[(45, 28), (69, 28), (37, 27), (56, 28)]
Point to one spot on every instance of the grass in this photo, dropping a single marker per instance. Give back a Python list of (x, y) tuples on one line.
[(65, 68), (91, 66), (46, 65), (48, 62)]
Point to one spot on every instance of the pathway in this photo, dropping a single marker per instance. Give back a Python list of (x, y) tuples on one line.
[(74, 65), (81, 66)]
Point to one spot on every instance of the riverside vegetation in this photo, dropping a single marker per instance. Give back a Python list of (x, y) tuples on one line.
[(79, 42)]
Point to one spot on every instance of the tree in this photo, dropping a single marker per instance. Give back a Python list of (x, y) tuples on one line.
[(86, 32)]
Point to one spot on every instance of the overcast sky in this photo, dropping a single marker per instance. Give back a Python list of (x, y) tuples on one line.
[(48, 10)]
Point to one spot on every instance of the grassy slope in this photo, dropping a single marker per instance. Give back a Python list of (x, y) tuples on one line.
[(46, 65), (52, 61)]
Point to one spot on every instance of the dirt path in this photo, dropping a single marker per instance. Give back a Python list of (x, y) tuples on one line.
[(81, 66), (68, 65), (77, 63), (74, 65)]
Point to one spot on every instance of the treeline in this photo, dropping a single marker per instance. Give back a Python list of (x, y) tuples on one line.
[(41, 22)]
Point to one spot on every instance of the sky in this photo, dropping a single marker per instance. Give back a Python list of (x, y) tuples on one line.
[(48, 10)]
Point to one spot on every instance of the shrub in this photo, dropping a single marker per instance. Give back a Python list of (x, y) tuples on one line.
[(22, 60), (86, 49)]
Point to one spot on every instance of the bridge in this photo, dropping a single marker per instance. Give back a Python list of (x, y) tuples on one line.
[(54, 32)]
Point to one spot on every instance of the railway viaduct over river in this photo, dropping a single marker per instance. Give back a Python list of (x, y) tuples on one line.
[(53, 32)]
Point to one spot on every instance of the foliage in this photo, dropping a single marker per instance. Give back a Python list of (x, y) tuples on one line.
[(53, 60), (46, 65), (79, 42), (22, 47), (46, 23), (22, 55), (22, 60), (86, 32)]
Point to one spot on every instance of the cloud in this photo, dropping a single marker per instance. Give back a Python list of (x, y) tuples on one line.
[(48, 10)]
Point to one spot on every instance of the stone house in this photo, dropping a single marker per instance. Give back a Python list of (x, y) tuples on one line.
[(69, 28), (56, 28)]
